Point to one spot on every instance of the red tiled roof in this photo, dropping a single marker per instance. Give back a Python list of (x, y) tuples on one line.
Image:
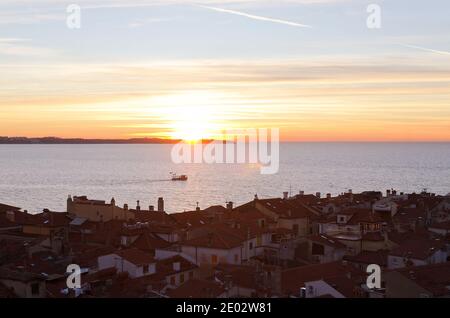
[(293, 279), (148, 242), (410, 214), (6, 208), (344, 285), (287, 208), (418, 248), (44, 219), (434, 278), (136, 256), (196, 288), (154, 217), (362, 216), (192, 218), (369, 257), (218, 240)]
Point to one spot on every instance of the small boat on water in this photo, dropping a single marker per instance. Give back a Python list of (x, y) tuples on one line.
[(181, 177)]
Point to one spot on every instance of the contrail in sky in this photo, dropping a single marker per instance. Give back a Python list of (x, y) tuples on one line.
[(255, 17), (425, 49)]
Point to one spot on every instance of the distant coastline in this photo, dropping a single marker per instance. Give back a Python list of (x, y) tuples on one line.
[(74, 141)]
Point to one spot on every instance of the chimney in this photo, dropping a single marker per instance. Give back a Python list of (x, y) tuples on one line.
[(301, 193), (285, 195), (125, 206), (138, 207), (318, 195), (394, 192), (161, 204), (230, 206), (176, 266), (388, 193), (328, 195), (151, 208), (350, 191)]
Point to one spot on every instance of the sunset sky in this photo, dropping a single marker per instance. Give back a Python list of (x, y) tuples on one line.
[(183, 69)]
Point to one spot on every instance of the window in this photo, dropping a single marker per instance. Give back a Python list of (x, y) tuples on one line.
[(145, 269), (35, 289), (295, 228), (214, 259), (258, 240), (172, 280), (250, 245), (341, 219), (191, 275), (181, 278)]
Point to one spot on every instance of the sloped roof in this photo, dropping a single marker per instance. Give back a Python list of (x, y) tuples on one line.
[(196, 288), (136, 256), (418, 248)]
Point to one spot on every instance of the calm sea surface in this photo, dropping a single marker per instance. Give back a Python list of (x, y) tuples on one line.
[(42, 176)]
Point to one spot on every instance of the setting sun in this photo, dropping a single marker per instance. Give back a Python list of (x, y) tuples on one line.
[(191, 116)]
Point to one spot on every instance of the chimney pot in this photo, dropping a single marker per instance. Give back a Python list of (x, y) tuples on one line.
[(161, 204)]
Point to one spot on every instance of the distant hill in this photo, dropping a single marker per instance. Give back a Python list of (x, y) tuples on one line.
[(56, 140)]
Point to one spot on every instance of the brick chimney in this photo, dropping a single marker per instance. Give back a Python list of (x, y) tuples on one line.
[(160, 204)]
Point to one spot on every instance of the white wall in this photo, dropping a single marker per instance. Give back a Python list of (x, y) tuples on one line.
[(436, 258), (122, 265), (320, 288)]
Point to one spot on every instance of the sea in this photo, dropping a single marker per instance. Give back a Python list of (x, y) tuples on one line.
[(36, 177)]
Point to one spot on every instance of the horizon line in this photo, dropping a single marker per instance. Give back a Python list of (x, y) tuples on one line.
[(156, 140)]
